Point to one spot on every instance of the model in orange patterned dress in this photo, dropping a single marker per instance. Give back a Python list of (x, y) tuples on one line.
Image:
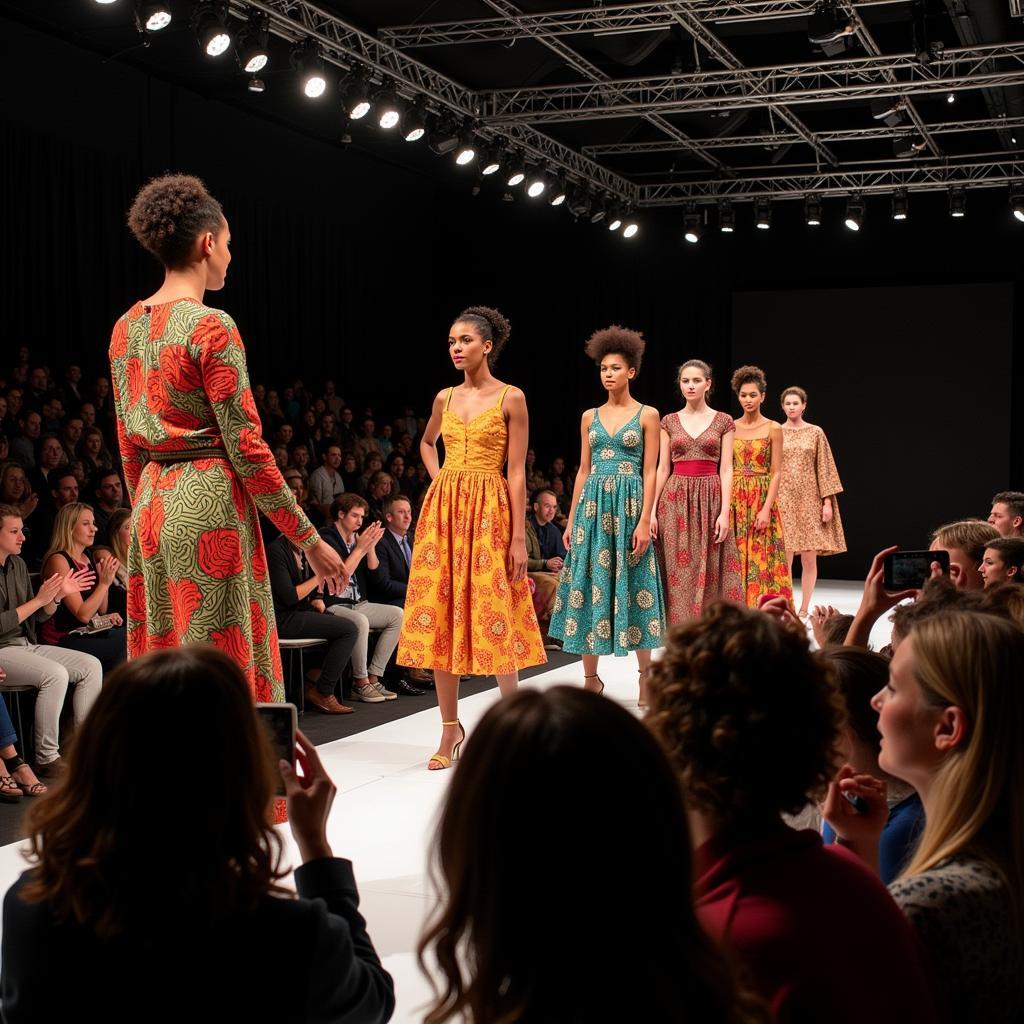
[(756, 467), (195, 461), (468, 608)]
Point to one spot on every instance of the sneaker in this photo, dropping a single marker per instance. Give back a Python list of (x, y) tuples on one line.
[(384, 692), (368, 694)]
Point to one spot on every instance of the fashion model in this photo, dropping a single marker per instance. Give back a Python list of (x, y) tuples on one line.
[(691, 526), (468, 608), (609, 597), (807, 494)]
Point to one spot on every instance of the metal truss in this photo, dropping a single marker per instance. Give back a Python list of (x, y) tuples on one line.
[(609, 19), (345, 46), (934, 176), (976, 67), (774, 139)]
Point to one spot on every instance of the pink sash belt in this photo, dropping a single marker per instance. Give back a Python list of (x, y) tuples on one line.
[(695, 467)]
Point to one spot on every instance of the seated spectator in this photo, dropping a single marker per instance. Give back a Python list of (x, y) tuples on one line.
[(103, 400), (351, 473), (290, 404), (531, 462), (378, 490), (23, 446), (540, 757), (38, 384), (298, 459), (111, 887), (345, 431), (368, 439), (829, 626), (21, 780), (70, 435), (545, 555), (93, 451), (326, 433), (274, 414), (965, 542), (751, 720), (51, 455), (1005, 600), (283, 436), (74, 532), (281, 457), (72, 388), (300, 614), (53, 414), (107, 498), (1007, 514), (1003, 561), (557, 470), (16, 492), (14, 405), (48, 669), (331, 399), (5, 449), (394, 466), (384, 441), (353, 604), (293, 478), (373, 463), (860, 675), (562, 496), (951, 718), (325, 482), (118, 538), (87, 412)]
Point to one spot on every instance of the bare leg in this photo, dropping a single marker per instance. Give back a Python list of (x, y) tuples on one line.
[(591, 680), (790, 556), (22, 774), (643, 660), (808, 578), (508, 683), (447, 687)]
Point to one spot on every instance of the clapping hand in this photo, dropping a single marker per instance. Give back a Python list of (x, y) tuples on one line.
[(819, 616), (76, 582), (107, 567), (369, 537)]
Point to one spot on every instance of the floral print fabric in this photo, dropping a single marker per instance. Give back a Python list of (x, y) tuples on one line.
[(808, 475)]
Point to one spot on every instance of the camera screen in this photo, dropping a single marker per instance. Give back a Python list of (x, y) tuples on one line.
[(911, 569)]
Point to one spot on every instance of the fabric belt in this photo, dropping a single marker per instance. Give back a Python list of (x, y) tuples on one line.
[(191, 455), (695, 467)]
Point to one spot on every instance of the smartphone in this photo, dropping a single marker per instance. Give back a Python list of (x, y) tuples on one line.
[(910, 570), (280, 721)]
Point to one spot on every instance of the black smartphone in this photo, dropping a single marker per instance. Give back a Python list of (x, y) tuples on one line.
[(280, 721), (909, 570)]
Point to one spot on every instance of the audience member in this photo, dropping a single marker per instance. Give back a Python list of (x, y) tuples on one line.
[(281, 457), (93, 451), (1005, 600), (751, 719), (353, 604), (51, 455), (273, 413), (829, 626), (118, 537), (72, 389), (965, 542), (108, 497), (14, 404), (514, 940), (368, 441), (87, 413), (332, 400), (351, 473), (23, 446), (298, 459), (113, 892), (325, 482), (545, 555), (1007, 514), (301, 614), (373, 463), (346, 432), (385, 442), (951, 718), (1003, 561), (378, 490), (49, 670), (15, 491), (394, 466), (53, 413), (293, 478), (70, 435)]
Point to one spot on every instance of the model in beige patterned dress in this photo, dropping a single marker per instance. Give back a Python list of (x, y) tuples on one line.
[(807, 494)]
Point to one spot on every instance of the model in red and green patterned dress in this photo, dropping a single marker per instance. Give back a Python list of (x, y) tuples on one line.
[(195, 461)]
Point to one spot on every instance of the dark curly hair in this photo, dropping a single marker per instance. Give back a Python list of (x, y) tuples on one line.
[(169, 214), (491, 324), (618, 341), (747, 714), (749, 375)]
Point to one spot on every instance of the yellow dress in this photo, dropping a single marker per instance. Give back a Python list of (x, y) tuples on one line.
[(462, 614)]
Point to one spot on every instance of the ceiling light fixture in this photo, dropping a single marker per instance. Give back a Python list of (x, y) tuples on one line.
[(630, 229), (536, 183), (900, 204), (152, 15), (252, 51), (387, 109), (516, 171), (558, 192), (414, 123), (692, 227), (1017, 200), (614, 218), (854, 212), (209, 21), (812, 211), (957, 202), (356, 96), (763, 213)]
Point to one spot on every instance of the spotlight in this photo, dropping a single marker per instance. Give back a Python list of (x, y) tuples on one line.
[(614, 218), (356, 96), (414, 124), (490, 160), (386, 108), (957, 202), (536, 183), (900, 204), (598, 211), (443, 138), (826, 25), (888, 109), (306, 60), (1017, 200), (106, 1), (558, 191), (726, 217), (252, 44), (465, 151), (209, 20), (763, 213), (257, 85), (951, 97), (630, 229), (906, 146), (854, 212), (579, 203), (516, 171), (812, 211), (152, 15), (692, 224)]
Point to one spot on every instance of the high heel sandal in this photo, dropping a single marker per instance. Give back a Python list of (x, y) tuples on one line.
[(12, 764), (642, 704), (440, 759), (598, 678)]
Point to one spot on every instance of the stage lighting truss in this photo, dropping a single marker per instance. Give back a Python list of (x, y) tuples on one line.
[(152, 15), (210, 23), (854, 212), (1017, 200), (812, 211), (253, 52), (443, 137)]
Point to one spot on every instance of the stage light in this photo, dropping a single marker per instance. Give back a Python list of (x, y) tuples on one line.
[(536, 183), (692, 226), (1017, 200), (257, 85), (152, 15), (906, 146), (763, 213), (490, 160), (826, 25), (900, 204), (957, 202), (854, 212), (726, 217), (209, 20), (443, 138), (356, 96), (105, 2), (465, 151), (598, 211), (386, 108), (630, 229), (558, 191), (516, 171), (614, 218), (888, 109), (252, 44), (414, 124), (951, 97), (812, 211), (579, 203)]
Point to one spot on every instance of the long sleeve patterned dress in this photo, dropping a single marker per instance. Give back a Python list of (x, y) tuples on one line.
[(809, 475), (197, 468)]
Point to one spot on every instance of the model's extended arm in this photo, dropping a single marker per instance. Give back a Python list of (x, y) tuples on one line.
[(651, 424), (725, 475), (431, 432), (518, 421), (581, 475)]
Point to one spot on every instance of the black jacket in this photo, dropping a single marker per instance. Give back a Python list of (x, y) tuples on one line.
[(390, 581)]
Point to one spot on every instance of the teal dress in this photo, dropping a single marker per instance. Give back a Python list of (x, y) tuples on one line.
[(608, 601)]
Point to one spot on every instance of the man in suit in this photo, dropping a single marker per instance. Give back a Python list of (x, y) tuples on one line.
[(545, 555)]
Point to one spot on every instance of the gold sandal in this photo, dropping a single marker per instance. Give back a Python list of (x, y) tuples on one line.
[(440, 759), (598, 678)]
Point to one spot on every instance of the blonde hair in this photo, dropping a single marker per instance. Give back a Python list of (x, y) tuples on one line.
[(113, 538), (970, 535), (975, 662), (64, 527)]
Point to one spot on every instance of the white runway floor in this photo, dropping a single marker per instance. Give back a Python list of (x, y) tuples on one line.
[(387, 805)]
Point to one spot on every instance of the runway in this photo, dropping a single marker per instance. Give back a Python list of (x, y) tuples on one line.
[(387, 805)]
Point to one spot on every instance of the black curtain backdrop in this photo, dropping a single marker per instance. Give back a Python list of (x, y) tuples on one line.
[(351, 262)]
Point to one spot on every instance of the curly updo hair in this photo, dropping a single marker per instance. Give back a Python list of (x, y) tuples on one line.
[(491, 325), (749, 375), (169, 214), (748, 715), (616, 340)]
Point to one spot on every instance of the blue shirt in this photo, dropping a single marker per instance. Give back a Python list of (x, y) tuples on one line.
[(899, 837), (550, 537)]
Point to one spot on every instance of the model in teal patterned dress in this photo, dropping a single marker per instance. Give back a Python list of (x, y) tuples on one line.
[(609, 597)]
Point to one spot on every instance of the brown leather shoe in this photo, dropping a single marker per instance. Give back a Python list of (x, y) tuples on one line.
[(51, 769), (419, 675), (326, 702)]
